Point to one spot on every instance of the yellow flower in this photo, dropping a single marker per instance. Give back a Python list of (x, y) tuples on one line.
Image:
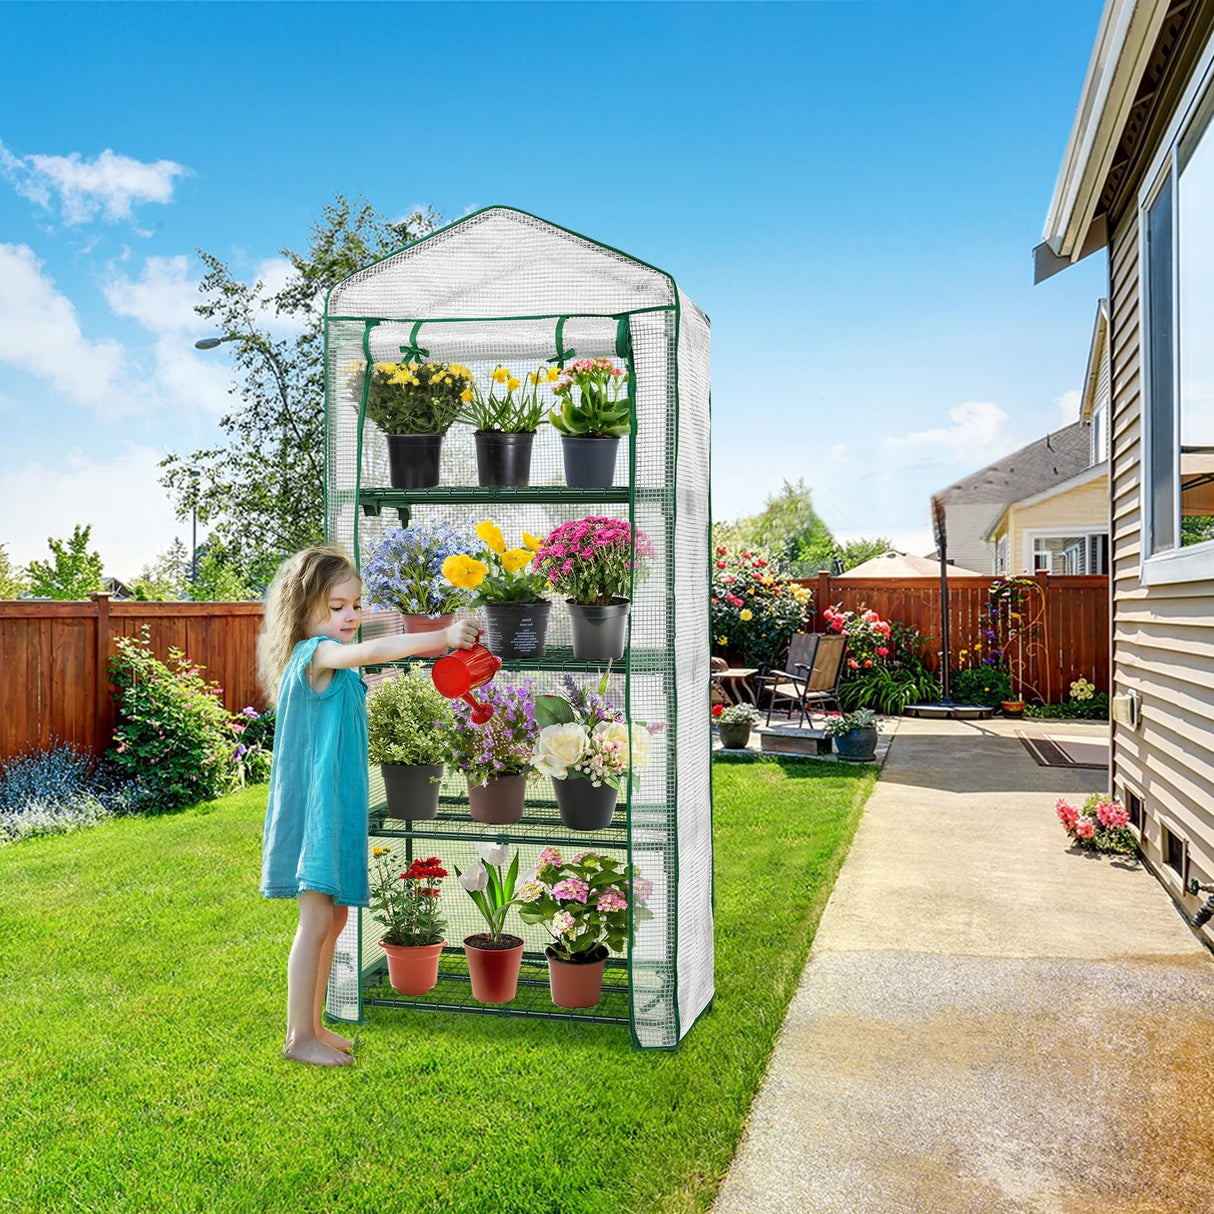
[(533, 378), (768, 579), (491, 534), (722, 640), (513, 559), (466, 396), (464, 571), (511, 384), (380, 851), (553, 374), (501, 375), (386, 368), (746, 614), (532, 541)]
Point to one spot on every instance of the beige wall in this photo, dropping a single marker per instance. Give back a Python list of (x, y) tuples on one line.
[(1163, 636), (967, 525), (1084, 508)]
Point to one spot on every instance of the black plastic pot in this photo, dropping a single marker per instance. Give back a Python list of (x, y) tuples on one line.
[(517, 630), (503, 459), (413, 460), (411, 791), (589, 462), (599, 632), (582, 806)]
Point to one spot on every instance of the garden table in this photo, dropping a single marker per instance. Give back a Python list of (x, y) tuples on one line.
[(735, 683)]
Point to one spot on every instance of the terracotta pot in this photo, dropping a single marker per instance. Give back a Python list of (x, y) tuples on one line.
[(576, 983), (423, 623), (1013, 708), (582, 806), (494, 971), (498, 803), (412, 968), (411, 791)]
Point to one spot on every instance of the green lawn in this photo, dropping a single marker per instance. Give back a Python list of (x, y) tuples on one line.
[(143, 983)]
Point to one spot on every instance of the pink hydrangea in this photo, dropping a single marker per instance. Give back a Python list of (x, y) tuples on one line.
[(611, 899), (530, 891), (549, 857), (572, 889), (563, 924)]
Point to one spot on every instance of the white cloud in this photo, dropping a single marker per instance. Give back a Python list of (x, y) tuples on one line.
[(40, 334), (131, 516), (838, 451), (1069, 404), (977, 432), (109, 185)]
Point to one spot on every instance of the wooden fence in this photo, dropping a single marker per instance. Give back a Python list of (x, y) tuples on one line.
[(54, 662), (1071, 638)]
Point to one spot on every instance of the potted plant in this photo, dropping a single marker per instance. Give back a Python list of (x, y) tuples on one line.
[(586, 747), (512, 595), (734, 723), (494, 956), (583, 905), (414, 404), (496, 757), (403, 571), (505, 425), (594, 563), (591, 425), (855, 734), (408, 721), (406, 904)]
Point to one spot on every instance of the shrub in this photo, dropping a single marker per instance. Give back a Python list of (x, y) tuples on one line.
[(988, 685), (886, 667), (254, 744), (173, 733), (1100, 825), (57, 790), (753, 607), (409, 720), (1094, 708)]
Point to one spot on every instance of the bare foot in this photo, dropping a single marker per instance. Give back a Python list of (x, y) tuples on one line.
[(336, 1040), (317, 1053)]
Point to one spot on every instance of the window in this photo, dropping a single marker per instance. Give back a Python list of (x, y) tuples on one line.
[(1070, 554), (1133, 803), (1174, 850), (1100, 434), (1177, 235)]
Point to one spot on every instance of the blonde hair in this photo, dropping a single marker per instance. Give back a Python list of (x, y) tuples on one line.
[(299, 589)]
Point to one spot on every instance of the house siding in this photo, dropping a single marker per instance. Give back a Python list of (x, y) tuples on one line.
[(1086, 507), (1163, 636)]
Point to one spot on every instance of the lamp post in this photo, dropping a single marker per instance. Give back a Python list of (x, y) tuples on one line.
[(194, 474), (256, 343)]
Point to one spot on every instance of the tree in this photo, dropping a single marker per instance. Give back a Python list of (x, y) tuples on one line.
[(262, 492), (167, 577), (856, 552), (220, 578), (789, 527), (75, 572), (13, 583)]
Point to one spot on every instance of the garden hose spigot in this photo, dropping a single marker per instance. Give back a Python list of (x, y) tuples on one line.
[(1206, 912)]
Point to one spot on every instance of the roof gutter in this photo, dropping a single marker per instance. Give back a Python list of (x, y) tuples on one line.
[(1124, 41)]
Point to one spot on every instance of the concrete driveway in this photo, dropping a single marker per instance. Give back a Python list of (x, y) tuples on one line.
[(989, 1021)]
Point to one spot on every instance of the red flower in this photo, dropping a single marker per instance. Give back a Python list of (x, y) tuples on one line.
[(758, 577), (882, 651), (760, 562), (717, 709), (868, 661), (853, 663), (714, 602), (722, 551), (720, 564)]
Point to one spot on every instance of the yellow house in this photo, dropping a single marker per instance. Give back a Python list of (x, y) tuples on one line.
[(1064, 529)]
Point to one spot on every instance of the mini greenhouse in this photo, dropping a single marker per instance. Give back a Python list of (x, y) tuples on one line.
[(503, 289)]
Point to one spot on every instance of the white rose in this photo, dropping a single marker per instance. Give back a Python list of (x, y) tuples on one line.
[(559, 747), (613, 731), (474, 878), (493, 853)]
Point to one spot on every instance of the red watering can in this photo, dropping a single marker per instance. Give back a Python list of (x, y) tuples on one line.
[(461, 672)]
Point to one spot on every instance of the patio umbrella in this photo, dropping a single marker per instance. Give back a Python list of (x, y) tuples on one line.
[(894, 564)]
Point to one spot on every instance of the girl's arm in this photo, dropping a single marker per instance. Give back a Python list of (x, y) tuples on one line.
[(460, 635)]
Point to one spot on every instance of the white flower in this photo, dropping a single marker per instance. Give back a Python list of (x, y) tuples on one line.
[(475, 878), (559, 747), (493, 853), (642, 747), (612, 731)]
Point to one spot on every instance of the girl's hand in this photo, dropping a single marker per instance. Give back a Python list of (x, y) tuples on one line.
[(462, 634)]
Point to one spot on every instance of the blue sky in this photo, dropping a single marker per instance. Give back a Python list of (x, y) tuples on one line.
[(851, 191)]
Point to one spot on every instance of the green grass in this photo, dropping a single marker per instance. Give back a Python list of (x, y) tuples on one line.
[(143, 984)]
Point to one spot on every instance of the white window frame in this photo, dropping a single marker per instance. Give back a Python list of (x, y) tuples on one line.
[(1033, 534), (1195, 562)]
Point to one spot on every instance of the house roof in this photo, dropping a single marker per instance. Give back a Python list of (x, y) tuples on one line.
[(1041, 465), (1086, 477), (894, 564)]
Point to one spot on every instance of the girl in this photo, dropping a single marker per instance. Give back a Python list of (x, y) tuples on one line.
[(315, 845)]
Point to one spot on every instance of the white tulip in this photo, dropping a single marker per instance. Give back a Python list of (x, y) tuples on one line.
[(474, 878), (559, 747), (493, 853)]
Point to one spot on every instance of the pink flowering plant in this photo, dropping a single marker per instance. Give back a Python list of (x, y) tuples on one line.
[(583, 903), (503, 745), (753, 607), (593, 561), (1100, 825), (592, 400)]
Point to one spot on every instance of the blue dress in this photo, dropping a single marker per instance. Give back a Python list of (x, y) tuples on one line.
[(316, 821)]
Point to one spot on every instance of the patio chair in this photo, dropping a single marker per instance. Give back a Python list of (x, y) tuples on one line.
[(823, 685), (791, 682)]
